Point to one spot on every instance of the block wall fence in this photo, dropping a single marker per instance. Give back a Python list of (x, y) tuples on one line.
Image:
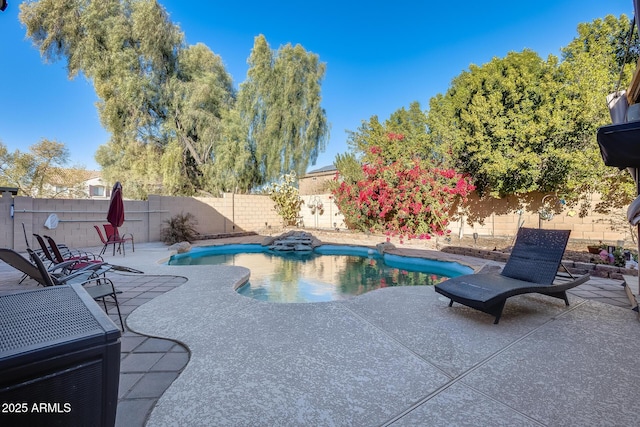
[(242, 213)]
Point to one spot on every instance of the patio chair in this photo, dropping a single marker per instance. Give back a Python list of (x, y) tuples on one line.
[(68, 253), (532, 267), (26, 240), (58, 277), (15, 260), (64, 265), (82, 260), (101, 288), (37, 251), (106, 242), (112, 234)]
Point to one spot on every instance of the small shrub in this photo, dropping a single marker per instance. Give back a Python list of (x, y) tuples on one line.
[(180, 228), (286, 198)]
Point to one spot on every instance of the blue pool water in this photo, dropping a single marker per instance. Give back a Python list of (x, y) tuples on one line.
[(329, 273)]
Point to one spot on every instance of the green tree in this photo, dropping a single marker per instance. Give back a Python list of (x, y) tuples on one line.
[(411, 124), (235, 165), (171, 108), (349, 169), (279, 104), (40, 172), (504, 116), (162, 101), (591, 68), (520, 123), (402, 137)]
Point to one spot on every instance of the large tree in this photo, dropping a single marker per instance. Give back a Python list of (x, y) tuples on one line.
[(410, 123), (520, 123), (160, 100), (499, 122), (401, 137), (41, 171), (171, 109), (591, 68), (279, 104)]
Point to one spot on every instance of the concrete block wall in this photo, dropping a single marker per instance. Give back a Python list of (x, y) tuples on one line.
[(155, 218), (215, 215), (246, 212), (77, 218), (224, 206), (501, 218), (207, 219), (324, 219), (253, 212)]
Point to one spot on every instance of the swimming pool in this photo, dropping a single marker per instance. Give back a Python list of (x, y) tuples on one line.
[(328, 273)]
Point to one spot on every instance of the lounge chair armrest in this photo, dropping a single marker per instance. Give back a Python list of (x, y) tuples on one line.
[(81, 277), (61, 267)]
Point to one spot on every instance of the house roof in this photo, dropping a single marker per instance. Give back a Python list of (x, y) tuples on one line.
[(66, 176), (324, 169)]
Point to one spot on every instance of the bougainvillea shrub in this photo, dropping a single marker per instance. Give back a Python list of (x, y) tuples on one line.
[(406, 198)]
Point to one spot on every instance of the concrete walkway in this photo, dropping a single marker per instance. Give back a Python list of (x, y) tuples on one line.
[(396, 356)]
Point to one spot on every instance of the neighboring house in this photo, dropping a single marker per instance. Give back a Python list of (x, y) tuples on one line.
[(96, 188), (77, 184), (316, 181)]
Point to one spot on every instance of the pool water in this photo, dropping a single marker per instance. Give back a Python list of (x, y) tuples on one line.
[(328, 273)]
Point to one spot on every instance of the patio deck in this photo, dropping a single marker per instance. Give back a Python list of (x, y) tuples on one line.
[(397, 356)]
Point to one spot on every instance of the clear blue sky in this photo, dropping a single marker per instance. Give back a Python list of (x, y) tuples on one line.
[(380, 56)]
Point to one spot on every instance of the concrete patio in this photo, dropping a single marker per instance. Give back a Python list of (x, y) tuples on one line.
[(397, 356)]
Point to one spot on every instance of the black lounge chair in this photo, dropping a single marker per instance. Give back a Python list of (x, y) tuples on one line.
[(532, 268)]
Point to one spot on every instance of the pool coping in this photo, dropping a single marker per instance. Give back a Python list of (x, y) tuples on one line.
[(476, 264)]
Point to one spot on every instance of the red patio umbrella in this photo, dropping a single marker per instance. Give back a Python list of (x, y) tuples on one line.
[(115, 216)]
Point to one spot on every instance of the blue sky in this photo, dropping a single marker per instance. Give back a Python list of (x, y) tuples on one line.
[(380, 57)]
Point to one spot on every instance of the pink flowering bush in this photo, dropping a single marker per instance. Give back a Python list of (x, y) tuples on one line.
[(410, 199)]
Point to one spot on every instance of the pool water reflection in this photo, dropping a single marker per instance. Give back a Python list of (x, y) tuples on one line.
[(329, 273)]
